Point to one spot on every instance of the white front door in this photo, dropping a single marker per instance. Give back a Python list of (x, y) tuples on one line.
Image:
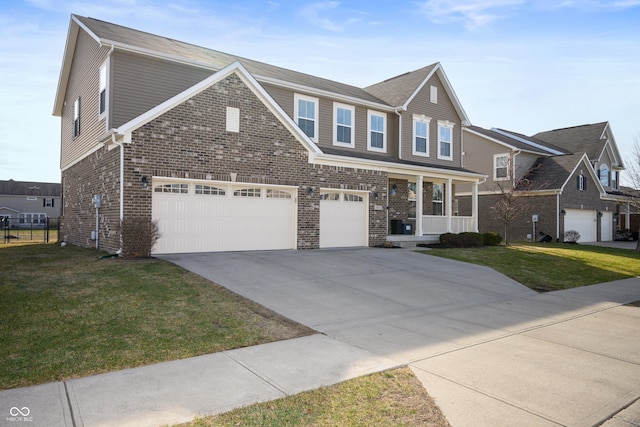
[(606, 226)]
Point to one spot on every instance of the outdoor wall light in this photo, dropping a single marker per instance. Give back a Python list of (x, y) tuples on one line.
[(145, 181), (394, 189), (563, 212), (374, 194), (600, 214), (310, 190)]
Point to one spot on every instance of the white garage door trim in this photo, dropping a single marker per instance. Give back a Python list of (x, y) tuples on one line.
[(217, 216), (583, 221), (606, 226), (344, 218)]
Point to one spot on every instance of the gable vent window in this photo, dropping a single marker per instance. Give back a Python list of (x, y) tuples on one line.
[(604, 175), (433, 94), (233, 119), (76, 118)]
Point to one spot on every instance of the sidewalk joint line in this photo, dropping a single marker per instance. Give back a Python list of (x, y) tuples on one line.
[(265, 379), (66, 392)]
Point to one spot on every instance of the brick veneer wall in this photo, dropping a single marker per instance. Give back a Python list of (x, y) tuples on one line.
[(191, 141)]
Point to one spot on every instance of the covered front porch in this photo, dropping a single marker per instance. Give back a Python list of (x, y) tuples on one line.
[(422, 207)]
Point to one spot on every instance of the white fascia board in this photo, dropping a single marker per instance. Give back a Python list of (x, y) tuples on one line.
[(447, 87), (11, 209), (127, 128), (584, 160), (324, 93), (496, 141), (65, 70), (531, 143), (389, 167)]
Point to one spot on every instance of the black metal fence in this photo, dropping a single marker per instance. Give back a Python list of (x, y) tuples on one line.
[(21, 230)]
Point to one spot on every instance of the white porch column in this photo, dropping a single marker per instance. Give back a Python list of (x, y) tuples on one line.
[(474, 204), (627, 218), (449, 208), (419, 204)]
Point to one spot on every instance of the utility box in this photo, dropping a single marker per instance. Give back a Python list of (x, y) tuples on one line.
[(408, 228)]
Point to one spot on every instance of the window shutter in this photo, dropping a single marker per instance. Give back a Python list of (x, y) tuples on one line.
[(578, 182), (52, 201), (584, 183), (44, 202)]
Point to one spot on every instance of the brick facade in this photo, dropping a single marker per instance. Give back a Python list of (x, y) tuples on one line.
[(191, 141)]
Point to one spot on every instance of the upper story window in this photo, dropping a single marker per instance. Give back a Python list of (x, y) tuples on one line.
[(76, 118), (102, 108), (445, 140), (421, 135), (500, 167), (343, 126), (377, 136), (306, 114), (603, 173), (614, 179), (582, 182), (47, 202)]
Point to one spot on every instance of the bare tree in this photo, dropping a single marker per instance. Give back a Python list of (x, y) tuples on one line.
[(511, 205)]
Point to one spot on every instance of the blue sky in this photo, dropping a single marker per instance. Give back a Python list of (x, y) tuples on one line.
[(522, 65)]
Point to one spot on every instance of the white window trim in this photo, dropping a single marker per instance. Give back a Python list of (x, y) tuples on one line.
[(602, 168), (449, 125), (351, 108), (495, 167), (371, 113), (104, 70), (316, 102), (420, 118)]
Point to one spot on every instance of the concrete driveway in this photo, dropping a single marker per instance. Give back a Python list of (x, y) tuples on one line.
[(490, 351)]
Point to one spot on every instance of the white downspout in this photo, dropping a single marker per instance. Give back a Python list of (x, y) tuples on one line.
[(399, 113), (120, 144)]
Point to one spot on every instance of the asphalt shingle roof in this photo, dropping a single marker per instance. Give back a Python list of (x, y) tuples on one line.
[(29, 188), (216, 59), (397, 90), (578, 139), (550, 173), (519, 144)]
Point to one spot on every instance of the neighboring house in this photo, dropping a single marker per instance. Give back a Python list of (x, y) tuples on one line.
[(29, 204), (566, 179), (227, 153)]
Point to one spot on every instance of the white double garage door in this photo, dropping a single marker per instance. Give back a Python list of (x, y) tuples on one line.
[(585, 222), (196, 216)]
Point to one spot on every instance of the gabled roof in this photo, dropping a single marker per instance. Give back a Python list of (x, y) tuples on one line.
[(592, 139), (125, 38), (553, 173), (127, 128), (399, 91), (517, 141), (30, 188)]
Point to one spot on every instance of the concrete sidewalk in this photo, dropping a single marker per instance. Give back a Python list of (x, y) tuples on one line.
[(178, 391)]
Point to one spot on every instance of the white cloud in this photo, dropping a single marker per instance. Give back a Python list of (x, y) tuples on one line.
[(472, 13)]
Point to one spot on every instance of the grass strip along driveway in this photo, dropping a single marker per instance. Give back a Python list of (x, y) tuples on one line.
[(551, 266), (68, 314)]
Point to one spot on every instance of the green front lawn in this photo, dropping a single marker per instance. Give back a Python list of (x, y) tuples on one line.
[(551, 266), (65, 314)]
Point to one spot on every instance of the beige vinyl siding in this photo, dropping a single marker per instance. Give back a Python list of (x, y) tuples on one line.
[(284, 98), (443, 110), (140, 83), (84, 81), (478, 157)]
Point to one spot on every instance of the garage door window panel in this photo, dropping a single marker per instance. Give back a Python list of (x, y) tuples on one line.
[(330, 196), (172, 188), (248, 192), (209, 190), (353, 198), (278, 194)]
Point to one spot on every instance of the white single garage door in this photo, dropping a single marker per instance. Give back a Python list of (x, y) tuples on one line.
[(583, 221), (606, 226), (220, 216), (343, 219)]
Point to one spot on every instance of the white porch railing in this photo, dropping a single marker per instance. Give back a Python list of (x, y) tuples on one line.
[(438, 224)]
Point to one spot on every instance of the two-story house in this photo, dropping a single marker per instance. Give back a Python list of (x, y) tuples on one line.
[(565, 179), (28, 203), (227, 153)]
